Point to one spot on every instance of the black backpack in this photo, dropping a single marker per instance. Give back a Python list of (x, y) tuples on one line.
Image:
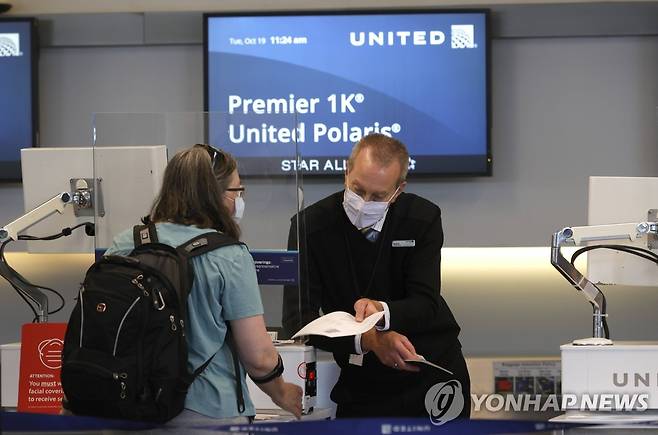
[(125, 351)]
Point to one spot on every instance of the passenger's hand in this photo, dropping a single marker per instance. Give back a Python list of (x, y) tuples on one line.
[(289, 399), (365, 307), (391, 348)]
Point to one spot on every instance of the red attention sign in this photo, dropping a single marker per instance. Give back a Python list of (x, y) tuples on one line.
[(39, 385)]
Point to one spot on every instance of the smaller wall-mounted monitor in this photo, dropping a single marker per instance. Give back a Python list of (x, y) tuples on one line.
[(325, 80), (18, 93)]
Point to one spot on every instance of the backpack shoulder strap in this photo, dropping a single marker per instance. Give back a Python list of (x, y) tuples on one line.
[(205, 243), (143, 234), (197, 246), (236, 368)]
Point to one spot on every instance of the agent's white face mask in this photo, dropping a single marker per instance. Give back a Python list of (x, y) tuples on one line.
[(364, 214), (239, 208)]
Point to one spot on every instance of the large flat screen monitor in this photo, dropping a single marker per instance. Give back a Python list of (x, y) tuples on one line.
[(18, 93), (421, 76)]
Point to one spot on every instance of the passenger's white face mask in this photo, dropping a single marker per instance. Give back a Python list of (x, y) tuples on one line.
[(364, 214), (239, 208)]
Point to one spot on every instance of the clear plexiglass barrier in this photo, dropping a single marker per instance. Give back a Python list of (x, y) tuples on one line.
[(131, 151)]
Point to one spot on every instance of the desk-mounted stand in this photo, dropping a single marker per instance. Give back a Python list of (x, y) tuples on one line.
[(579, 235), (60, 203)]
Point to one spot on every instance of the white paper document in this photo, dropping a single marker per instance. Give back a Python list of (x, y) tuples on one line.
[(339, 324), (422, 362)]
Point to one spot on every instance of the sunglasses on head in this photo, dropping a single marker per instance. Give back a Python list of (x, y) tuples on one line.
[(215, 154)]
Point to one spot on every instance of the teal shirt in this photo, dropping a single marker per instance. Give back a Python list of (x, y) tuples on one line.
[(225, 288)]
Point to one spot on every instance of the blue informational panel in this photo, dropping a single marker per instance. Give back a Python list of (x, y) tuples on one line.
[(17, 94), (276, 267), (421, 77), (273, 267)]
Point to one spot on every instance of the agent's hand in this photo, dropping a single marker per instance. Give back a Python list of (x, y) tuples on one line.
[(365, 307), (289, 398), (391, 348)]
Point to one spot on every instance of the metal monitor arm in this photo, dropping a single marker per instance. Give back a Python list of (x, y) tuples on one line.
[(579, 235), (55, 204), (10, 232)]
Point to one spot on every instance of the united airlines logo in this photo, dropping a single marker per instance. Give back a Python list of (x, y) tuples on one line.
[(10, 45), (399, 37), (462, 36)]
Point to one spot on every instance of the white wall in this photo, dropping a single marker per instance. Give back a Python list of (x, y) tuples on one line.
[(95, 6)]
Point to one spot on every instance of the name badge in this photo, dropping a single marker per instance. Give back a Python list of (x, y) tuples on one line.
[(403, 243), (356, 360)]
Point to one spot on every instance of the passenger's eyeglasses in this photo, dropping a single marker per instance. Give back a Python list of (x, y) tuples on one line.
[(241, 190)]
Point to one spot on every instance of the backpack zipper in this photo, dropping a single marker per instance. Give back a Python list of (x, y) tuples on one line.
[(155, 293), (136, 282), (116, 339), (82, 313), (109, 373)]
